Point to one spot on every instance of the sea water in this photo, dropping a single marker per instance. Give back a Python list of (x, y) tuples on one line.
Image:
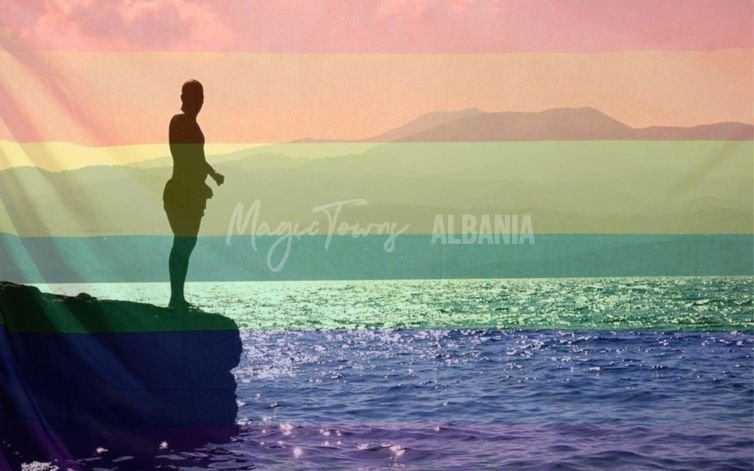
[(564, 373)]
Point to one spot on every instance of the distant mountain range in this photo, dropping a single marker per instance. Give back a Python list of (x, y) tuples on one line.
[(592, 187), (561, 124), (574, 170)]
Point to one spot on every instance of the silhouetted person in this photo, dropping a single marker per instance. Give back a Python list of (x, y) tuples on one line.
[(186, 193)]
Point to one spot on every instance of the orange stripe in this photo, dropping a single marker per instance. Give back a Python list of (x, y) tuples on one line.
[(112, 99)]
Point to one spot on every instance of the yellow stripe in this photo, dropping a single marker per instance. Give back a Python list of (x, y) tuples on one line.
[(56, 156)]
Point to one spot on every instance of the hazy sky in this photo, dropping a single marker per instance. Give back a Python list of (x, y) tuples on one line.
[(109, 73)]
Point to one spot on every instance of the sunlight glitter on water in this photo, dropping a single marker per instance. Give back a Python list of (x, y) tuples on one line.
[(471, 374), (667, 304)]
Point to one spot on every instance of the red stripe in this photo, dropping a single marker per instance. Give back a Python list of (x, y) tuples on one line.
[(387, 26)]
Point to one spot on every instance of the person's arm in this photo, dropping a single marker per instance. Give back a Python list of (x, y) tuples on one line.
[(173, 136), (217, 177)]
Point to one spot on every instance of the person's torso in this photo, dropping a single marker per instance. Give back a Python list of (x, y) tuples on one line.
[(187, 150)]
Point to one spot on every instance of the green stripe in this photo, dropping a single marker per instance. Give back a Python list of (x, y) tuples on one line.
[(616, 187)]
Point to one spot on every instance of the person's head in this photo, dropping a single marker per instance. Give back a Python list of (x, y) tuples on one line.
[(192, 96)]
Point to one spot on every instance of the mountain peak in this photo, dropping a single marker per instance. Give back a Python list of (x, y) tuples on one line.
[(555, 124), (575, 123), (424, 123)]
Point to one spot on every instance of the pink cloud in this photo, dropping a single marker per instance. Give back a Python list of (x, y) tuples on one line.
[(131, 24), (412, 9), (423, 9)]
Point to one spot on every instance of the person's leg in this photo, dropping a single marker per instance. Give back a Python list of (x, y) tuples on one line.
[(185, 229), (178, 264), (176, 289)]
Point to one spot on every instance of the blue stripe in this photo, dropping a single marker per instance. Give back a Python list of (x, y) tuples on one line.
[(144, 258)]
